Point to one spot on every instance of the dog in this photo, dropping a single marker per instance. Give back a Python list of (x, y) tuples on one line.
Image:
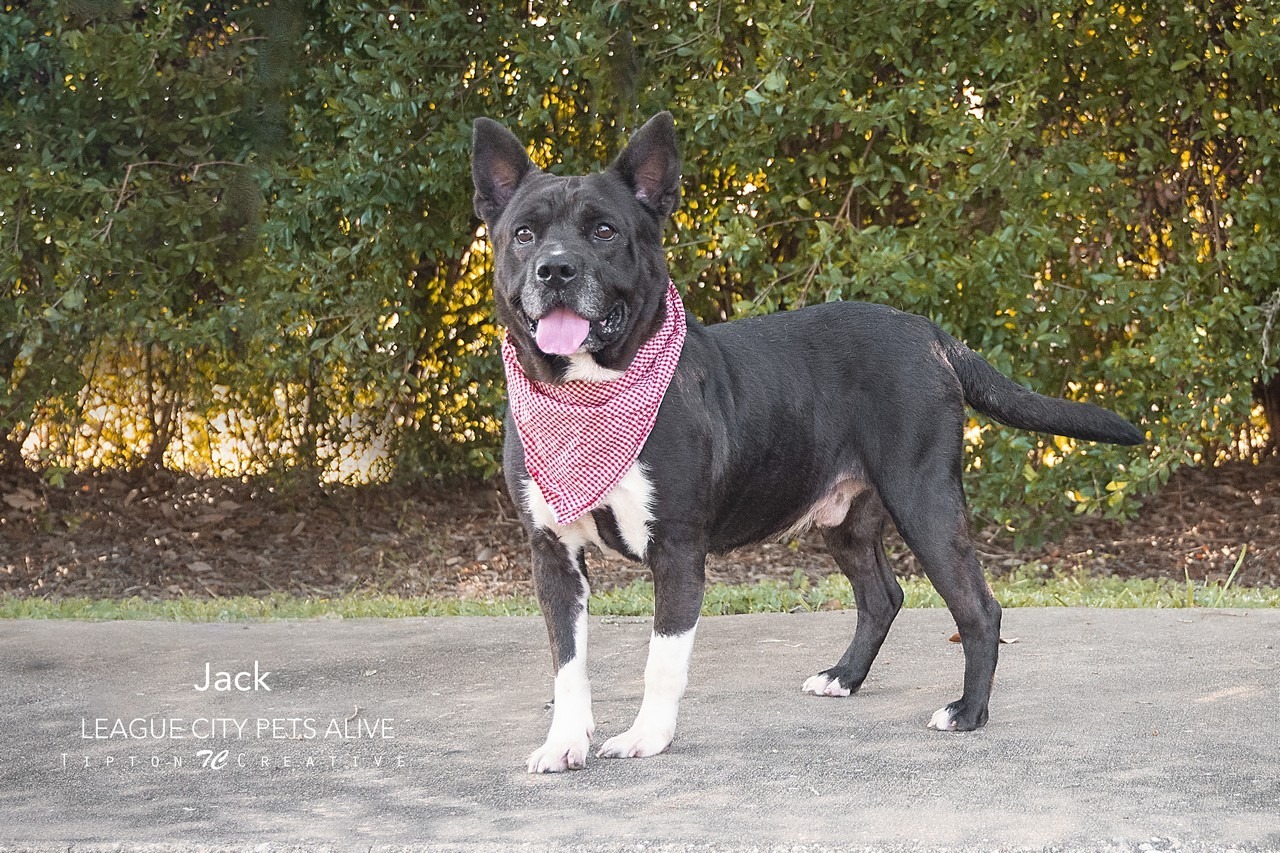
[(634, 427)]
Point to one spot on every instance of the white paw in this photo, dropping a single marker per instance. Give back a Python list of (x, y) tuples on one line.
[(942, 720), (561, 753), (824, 685), (638, 742)]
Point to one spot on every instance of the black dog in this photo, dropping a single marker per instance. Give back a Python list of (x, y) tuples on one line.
[(842, 415)]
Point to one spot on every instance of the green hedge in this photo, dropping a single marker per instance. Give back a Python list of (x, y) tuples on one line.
[(238, 237)]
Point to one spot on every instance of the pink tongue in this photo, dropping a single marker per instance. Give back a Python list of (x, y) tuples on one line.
[(561, 332)]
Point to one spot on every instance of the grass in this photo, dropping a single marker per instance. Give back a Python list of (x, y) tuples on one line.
[(1028, 588)]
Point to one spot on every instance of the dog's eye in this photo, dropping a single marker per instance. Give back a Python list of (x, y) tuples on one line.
[(604, 231), (524, 235)]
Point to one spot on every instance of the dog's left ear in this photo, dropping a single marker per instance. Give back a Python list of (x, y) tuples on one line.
[(498, 164), (650, 165)]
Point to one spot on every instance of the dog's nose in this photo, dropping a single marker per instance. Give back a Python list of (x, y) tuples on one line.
[(557, 271)]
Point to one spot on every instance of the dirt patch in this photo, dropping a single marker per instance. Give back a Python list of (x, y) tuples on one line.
[(165, 536)]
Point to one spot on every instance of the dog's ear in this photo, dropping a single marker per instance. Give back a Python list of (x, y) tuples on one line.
[(498, 165), (650, 165)]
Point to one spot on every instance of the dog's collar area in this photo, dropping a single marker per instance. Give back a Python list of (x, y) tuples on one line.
[(673, 321)]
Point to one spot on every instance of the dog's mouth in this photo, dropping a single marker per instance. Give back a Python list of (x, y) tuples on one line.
[(563, 331), (612, 324)]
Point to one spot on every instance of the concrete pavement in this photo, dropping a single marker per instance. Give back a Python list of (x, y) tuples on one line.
[(1111, 729)]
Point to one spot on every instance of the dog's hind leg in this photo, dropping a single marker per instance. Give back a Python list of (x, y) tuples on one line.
[(679, 577), (561, 584), (929, 510), (858, 548)]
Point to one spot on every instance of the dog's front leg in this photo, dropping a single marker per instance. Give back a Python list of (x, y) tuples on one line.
[(561, 585), (678, 580)]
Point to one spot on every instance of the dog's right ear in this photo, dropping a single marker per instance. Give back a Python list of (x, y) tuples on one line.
[(498, 164)]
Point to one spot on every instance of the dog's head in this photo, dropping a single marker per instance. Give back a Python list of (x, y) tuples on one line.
[(579, 263)]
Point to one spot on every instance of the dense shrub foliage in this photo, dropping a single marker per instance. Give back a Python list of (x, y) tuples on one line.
[(238, 238)]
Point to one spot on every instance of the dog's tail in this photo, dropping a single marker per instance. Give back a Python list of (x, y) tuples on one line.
[(994, 394)]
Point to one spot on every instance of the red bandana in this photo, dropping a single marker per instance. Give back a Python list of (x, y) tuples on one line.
[(581, 437)]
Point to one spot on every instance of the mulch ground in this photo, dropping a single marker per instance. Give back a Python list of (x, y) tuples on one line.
[(160, 535)]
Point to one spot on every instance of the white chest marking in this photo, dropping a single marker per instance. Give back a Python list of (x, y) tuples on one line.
[(632, 504), (584, 368)]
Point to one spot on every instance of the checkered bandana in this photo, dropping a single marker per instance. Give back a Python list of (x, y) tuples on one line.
[(581, 437)]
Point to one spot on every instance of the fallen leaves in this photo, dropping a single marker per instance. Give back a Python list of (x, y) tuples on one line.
[(164, 535), (1004, 641), (24, 500)]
